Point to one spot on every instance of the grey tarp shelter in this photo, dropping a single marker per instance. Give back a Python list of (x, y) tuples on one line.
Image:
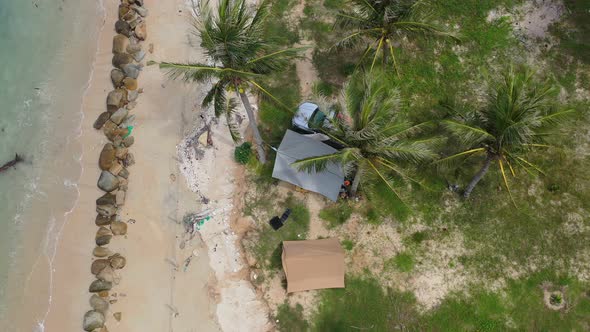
[(294, 147), (313, 264)]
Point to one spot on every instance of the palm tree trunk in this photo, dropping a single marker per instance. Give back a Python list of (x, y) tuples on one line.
[(385, 54), (355, 183), (478, 176), (253, 126)]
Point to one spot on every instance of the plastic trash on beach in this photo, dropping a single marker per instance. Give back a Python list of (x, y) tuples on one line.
[(129, 130), (194, 221)]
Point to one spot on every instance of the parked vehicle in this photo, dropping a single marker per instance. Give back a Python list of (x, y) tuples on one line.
[(310, 119)]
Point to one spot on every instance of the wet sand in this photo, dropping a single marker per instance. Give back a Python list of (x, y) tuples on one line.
[(150, 290)]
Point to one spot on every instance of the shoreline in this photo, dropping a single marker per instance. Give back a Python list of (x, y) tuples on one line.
[(157, 235), (54, 185)]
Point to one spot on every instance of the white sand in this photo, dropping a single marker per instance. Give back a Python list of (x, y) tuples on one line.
[(212, 175), (149, 286)]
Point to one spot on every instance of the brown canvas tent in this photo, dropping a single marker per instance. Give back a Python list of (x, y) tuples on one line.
[(313, 264)]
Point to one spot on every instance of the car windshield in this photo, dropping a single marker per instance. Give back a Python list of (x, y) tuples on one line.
[(317, 119)]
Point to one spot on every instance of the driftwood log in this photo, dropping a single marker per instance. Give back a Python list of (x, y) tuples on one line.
[(11, 163)]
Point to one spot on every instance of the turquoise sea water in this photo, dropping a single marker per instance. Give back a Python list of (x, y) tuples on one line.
[(46, 53)]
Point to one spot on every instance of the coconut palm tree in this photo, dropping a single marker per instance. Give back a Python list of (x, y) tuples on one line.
[(232, 37), (380, 23), (515, 121), (378, 141)]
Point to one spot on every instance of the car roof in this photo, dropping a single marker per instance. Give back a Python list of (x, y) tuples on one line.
[(304, 113)]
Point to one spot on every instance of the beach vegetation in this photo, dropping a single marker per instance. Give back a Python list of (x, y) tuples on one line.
[(268, 247), (517, 119), (503, 252), (379, 26), (243, 152), (336, 214), (233, 37), (377, 139)]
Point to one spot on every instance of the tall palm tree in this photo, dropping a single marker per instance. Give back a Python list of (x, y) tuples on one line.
[(515, 120), (379, 142), (232, 37), (381, 22)]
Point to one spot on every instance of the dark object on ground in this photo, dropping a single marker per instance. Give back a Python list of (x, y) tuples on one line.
[(277, 222), (11, 163)]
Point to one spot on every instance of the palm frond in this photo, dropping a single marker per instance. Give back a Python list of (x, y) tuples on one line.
[(196, 72), (387, 182), (506, 180), (467, 134), (425, 29), (409, 151), (317, 164), (402, 173), (460, 154)]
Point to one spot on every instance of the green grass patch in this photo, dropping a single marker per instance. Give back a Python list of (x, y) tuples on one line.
[(275, 119), (574, 35), (387, 203), (291, 319), (334, 4), (522, 306), (347, 244), (243, 153), (419, 237), (403, 262), (324, 88), (364, 305), (268, 245), (336, 214)]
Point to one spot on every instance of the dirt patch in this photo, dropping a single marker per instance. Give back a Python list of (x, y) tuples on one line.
[(537, 16)]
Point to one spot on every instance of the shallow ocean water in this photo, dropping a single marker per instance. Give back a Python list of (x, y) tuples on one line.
[(46, 51)]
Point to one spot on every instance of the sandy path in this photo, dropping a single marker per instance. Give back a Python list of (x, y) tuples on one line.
[(154, 200)]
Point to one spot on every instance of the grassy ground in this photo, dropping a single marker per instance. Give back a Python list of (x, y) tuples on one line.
[(364, 304), (542, 240)]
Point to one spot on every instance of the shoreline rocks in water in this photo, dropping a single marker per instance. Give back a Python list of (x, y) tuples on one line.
[(116, 123)]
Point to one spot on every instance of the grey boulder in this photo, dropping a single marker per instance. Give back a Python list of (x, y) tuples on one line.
[(98, 265), (117, 261), (116, 99), (128, 141), (107, 157), (119, 115), (104, 220), (106, 212), (138, 56), (93, 320), (103, 236), (131, 70), (98, 303), (99, 286), (123, 28), (102, 252), (121, 59), (119, 228), (120, 43), (101, 120), (117, 77), (140, 10), (107, 181)]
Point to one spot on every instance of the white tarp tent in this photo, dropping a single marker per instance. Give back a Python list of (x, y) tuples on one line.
[(294, 147)]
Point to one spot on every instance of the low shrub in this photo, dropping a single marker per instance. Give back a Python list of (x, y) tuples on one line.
[(243, 153)]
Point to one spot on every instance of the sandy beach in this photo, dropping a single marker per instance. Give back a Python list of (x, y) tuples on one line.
[(151, 295)]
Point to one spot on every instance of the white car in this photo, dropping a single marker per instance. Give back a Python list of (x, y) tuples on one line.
[(309, 118)]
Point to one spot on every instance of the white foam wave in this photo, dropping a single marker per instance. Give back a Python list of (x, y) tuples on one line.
[(71, 183)]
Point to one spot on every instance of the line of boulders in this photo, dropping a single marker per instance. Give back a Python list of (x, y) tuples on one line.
[(115, 158)]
